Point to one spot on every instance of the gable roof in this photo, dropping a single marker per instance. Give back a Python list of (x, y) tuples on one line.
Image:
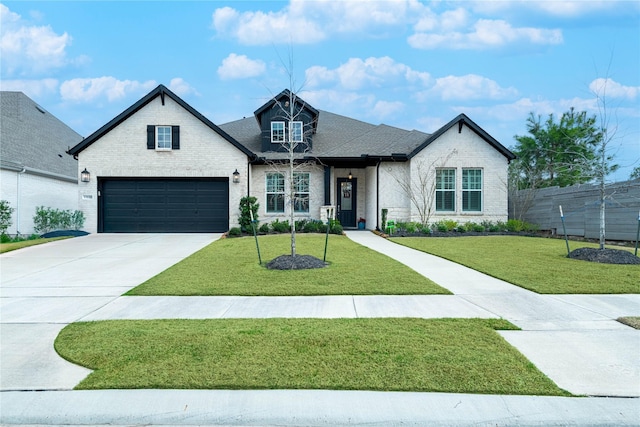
[(284, 96), (461, 120), (160, 91), (35, 139)]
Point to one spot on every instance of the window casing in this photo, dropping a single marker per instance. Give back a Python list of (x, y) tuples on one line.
[(296, 131), (163, 138), (275, 192), (301, 192), (445, 190), (277, 131), (472, 190)]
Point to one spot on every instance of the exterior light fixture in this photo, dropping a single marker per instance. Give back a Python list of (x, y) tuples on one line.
[(236, 177), (85, 176), (350, 175)]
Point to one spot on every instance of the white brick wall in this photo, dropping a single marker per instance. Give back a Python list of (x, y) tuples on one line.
[(468, 150), (123, 153), (34, 191)]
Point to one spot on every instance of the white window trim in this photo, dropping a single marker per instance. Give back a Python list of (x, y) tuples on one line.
[(297, 193), (454, 190), (268, 193), (481, 190), (170, 138), (294, 124), (273, 139)]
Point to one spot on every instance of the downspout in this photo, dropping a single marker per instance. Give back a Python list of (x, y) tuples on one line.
[(248, 178), (24, 169), (378, 195)]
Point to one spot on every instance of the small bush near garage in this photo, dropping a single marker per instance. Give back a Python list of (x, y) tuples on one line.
[(49, 219), (248, 206), (5, 216)]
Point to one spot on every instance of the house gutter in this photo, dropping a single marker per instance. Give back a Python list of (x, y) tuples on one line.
[(378, 195)]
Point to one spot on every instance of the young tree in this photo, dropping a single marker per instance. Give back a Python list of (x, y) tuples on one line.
[(420, 186), (635, 173)]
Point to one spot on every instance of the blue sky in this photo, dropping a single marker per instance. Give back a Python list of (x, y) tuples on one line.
[(410, 64)]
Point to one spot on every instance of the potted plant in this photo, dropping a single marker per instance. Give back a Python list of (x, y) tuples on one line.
[(362, 223)]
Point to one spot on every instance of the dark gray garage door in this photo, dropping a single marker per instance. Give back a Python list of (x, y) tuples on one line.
[(163, 205)]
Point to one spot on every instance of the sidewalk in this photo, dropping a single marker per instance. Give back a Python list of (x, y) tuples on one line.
[(571, 338)]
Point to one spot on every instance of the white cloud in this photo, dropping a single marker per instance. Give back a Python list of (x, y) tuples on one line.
[(240, 67), (610, 88), (486, 34), (181, 88), (357, 73), (384, 109), (88, 90), (468, 87), (27, 49), (32, 88)]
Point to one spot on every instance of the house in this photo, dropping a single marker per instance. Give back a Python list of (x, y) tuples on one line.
[(161, 166), (34, 167)]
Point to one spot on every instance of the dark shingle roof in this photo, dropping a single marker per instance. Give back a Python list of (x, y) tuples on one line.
[(337, 137), (31, 136)]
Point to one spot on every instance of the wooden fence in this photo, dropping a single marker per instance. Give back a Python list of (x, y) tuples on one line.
[(581, 207)]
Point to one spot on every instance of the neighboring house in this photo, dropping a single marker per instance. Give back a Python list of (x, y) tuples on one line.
[(161, 166), (34, 167)]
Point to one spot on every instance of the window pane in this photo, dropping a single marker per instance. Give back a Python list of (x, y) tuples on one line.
[(472, 190), (301, 202), (277, 131), (296, 131), (275, 202), (445, 189), (163, 137)]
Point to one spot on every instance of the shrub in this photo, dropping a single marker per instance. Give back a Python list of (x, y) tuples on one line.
[(280, 226), (49, 219), (4, 238), (314, 226), (445, 225), (385, 212), (424, 229), (264, 228), (300, 225), (461, 228), (411, 227), (336, 227), (5, 216), (478, 227), (235, 231), (248, 205)]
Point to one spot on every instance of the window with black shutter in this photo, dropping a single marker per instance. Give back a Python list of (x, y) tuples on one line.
[(163, 138)]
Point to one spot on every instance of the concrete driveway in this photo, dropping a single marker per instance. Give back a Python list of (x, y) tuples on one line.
[(49, 286)]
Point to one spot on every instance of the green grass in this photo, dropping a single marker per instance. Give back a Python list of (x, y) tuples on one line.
[(441, 355), (12, 246), (538, 264), (634, 322), (230, 267)]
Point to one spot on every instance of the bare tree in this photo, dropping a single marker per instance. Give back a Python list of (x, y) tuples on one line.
[(420, 186), (295, 143)]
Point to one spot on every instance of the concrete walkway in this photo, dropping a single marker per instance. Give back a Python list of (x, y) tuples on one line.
[(571, 338)]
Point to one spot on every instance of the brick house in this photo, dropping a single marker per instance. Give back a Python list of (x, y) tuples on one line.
[(161, 166)]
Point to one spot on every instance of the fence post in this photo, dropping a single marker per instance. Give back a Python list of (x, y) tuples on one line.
[(564, 229)]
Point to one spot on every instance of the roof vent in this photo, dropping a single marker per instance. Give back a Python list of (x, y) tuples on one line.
[(39, 108)]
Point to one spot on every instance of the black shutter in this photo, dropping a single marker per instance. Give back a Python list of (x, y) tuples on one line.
[(151, 137), (175, 137)]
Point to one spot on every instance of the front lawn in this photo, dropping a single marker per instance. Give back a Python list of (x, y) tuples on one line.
[(12, 246), (436, 355), (230, 267), (537, 264)]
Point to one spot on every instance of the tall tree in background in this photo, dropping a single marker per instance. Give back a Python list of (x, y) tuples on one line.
[(550, 153)]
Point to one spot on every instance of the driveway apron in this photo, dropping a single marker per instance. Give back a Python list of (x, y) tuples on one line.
[(48, 286)]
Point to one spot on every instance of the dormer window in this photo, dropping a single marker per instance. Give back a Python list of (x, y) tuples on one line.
[(296, 131), (277, 131)]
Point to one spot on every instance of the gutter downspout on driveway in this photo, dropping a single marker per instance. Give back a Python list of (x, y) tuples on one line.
[(24, 169)]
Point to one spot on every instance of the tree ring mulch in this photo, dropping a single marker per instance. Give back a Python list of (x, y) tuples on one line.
[(298, 262), (604, 256)]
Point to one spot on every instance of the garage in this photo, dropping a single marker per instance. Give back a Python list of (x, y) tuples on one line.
[(163, 205)]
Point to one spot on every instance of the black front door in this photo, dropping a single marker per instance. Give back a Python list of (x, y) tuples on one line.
[(347, 201)]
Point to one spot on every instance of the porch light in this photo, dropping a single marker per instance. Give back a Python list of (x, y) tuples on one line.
[(350, 175), (85, 176), (236, 177)]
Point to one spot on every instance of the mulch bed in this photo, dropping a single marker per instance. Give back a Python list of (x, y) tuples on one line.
[(604, 256), (298, 262)]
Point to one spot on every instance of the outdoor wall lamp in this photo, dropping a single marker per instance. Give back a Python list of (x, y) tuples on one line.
[(85, 176), (236, 177), (350, 175)]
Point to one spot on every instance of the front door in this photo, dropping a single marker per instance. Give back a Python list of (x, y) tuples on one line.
[(347, 202)]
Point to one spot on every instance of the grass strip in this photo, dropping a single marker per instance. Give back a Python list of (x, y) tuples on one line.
[(12, 246), (230, 267), (632, 321), (435, 355), (537, 264)]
